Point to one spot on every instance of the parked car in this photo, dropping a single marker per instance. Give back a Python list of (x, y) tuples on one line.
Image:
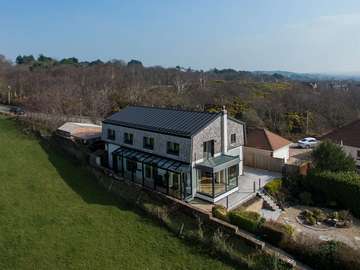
[(308, 142), (17, 110)]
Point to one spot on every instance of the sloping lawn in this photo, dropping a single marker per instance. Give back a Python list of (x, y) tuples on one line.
[(53, 216)]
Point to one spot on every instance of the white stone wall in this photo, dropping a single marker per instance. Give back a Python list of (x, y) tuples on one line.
[(238, 151), (160, 142), (234, 127), (211, 132)]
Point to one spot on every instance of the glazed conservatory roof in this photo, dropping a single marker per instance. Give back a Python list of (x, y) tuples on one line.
[(218, 163), (154, 160)]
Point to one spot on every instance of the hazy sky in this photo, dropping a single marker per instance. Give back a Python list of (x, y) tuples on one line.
[(295, 35)]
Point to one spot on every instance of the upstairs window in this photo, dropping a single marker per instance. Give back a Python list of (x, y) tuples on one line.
[(173, 148), (111, 134), (208, 149), (233, 138), (148, 143), (358, 154), (128, 138)]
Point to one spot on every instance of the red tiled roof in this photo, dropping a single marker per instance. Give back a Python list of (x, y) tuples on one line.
[(261, 138), (348, 134)]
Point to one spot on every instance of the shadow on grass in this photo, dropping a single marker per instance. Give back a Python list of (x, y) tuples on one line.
[(77, 177), (84, 184)]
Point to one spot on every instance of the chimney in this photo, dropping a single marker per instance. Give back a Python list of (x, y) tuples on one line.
[(224, 135)]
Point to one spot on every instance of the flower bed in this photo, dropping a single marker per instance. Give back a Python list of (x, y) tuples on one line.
[(325, 219)]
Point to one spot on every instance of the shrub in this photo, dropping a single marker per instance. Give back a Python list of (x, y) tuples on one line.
[(305, 198), (273, 187), (220, 212), (249, 221), (275, 232), (319, 215), (323, 255), (329, 156), (334, 215), (343, 188), (311, 220), (344, 215)]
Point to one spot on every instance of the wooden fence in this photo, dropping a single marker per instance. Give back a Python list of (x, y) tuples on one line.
[(256, 159)]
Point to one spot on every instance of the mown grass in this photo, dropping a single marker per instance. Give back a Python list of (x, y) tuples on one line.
[(53, 216)]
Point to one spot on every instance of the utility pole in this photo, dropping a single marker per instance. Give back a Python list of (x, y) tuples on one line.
[(80, 107), (307, 122)]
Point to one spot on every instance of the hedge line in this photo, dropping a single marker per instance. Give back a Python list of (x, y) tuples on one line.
[(342, 187), (249, 221), (271, 231)]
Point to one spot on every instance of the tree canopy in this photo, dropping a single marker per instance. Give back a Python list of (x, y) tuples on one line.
[(329, 156)]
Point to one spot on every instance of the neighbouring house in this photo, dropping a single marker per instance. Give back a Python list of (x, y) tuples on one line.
[(80, 132), (265, 149), (348, 137), (184, 154)]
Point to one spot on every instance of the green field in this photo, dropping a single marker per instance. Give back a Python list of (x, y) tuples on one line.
[(53, 216)]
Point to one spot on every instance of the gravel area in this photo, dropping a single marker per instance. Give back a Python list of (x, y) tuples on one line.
[(349, 236)]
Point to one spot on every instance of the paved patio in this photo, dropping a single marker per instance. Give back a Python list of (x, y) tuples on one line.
[(252, 178), (246, 188)]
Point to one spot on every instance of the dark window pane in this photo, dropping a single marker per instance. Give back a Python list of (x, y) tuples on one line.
[(233, 138), (173, 148), (111, 134), (148, 143), (128, 138)]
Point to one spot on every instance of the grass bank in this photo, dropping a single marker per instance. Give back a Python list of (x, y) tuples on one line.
[(52, 216)]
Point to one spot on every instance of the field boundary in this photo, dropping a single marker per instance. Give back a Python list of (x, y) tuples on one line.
[(206, 217)]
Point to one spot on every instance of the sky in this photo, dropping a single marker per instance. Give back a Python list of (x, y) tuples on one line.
[(320, 36)]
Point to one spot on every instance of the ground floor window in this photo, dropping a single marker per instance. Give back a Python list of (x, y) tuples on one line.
[(148, 171), (131, 165), (164, 175), (205, 183), (174, 185), (220, 182), (217, 183), (233, 174), (161, 179)]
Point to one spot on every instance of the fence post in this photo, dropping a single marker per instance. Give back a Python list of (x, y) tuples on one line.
[(259, 183), (254, 186)]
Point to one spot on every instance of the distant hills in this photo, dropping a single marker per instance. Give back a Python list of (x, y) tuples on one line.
[(312, 76)]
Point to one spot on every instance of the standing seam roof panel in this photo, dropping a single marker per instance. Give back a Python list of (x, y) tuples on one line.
[(171, 121)]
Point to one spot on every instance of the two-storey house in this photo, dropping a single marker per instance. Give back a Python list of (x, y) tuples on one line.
[(184, 154)]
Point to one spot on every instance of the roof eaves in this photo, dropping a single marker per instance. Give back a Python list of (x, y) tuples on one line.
[(236, 120), (147, 128), (268, 140)]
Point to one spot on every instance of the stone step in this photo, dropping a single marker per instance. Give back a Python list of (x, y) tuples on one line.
[(269, 201)]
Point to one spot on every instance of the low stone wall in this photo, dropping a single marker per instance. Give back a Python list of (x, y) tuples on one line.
[(115, 185)]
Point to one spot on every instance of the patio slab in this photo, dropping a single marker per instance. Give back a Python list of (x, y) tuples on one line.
[(246, 186)]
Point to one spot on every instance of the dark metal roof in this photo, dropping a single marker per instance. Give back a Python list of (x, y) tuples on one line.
[(162, 120)]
